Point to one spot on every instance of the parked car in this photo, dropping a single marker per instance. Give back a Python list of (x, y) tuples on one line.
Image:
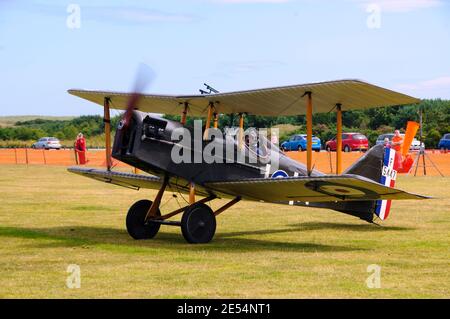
[(380, 139), (415, 145), (444, 143), (350, 142), (298, 143), (47, 143)]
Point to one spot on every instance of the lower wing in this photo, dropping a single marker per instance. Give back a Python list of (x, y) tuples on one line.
[(119, 178), (330, 188), (302, 188)]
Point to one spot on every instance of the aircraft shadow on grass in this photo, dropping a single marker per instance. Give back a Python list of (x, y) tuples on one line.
[(111, 238)]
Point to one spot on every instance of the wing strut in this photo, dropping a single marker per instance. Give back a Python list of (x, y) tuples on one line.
[(338, 139), (155, 205), (309, 110), (241, 130), (208, 121), (107, 121), (184, 114)]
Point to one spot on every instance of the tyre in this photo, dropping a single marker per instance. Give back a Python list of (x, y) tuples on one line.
[(198, 224), (136, 226), (300, 148), (347, 148), (328, 149)]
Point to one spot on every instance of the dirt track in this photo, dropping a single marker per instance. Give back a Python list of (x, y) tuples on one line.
[(323, 161)]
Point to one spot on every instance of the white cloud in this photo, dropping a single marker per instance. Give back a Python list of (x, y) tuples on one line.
[(233, 67), (437, 83), (403, 5), (434, 88), (119, 14), (134, 15), (230, 69), (251, 1)]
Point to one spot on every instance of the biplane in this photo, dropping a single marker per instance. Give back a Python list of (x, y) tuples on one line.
[(146, 141)]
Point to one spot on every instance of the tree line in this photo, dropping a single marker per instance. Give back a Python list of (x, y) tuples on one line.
[(371, 122)]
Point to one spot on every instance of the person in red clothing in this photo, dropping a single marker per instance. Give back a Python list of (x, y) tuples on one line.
[(80, 147), (397, 141), (397, 144)]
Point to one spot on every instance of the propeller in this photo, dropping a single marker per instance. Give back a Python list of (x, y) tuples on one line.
[(145, 75)]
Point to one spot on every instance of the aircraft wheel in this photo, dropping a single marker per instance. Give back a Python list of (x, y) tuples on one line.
[(136, 226), (198, 224)]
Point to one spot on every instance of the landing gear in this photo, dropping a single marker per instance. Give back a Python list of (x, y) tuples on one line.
[(137, 226), (198, 224)]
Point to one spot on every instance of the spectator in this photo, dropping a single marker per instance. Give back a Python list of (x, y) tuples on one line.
[(397, 141), (80, 143), (80, 148)]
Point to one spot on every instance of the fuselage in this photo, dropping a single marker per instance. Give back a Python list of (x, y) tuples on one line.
[(160, 146)]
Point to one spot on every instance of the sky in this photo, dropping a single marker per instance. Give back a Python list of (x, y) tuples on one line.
[(48, 47)]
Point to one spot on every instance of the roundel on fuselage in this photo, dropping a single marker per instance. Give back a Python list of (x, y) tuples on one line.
[(279, 174)]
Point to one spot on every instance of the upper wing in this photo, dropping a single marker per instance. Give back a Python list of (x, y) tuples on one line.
[(310, 189), (286, 100)]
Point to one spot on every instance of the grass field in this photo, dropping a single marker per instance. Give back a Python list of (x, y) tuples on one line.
[(50, 218)]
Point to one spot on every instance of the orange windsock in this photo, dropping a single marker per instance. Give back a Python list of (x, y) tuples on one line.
[(411, 130)]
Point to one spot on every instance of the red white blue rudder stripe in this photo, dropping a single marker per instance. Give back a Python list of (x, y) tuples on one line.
[(388, 177)]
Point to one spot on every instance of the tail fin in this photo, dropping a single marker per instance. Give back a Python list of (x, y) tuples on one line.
[(380, 164), (369, 165), (391, 163)]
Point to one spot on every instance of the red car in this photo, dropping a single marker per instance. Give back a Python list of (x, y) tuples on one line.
[(350, 142)]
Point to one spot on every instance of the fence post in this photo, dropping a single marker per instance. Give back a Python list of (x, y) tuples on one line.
[(26, 155), (43, 154), (15, 154), (331, 162)]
